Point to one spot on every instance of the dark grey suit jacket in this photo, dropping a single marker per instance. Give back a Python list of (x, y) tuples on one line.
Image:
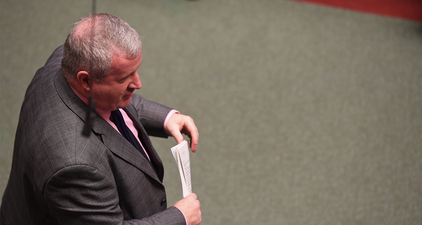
[(59, 176)]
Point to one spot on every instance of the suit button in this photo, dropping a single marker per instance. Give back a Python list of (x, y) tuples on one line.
[(163, 201)]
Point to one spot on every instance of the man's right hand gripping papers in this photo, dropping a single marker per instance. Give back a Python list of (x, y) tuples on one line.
[(190, 207)]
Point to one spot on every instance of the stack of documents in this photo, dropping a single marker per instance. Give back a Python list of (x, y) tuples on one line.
[(181, 155)]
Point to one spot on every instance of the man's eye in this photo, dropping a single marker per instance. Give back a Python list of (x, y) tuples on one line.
[(124, 79)]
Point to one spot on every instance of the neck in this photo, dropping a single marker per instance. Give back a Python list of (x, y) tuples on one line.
[(78, 89), (83, 95)]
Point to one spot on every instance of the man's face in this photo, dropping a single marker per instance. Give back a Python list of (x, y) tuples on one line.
[(117, 89)]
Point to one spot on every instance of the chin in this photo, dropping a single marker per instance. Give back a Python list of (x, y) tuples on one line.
[(124, 103)]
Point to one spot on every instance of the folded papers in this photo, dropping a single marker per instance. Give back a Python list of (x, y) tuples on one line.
[(181, 156)]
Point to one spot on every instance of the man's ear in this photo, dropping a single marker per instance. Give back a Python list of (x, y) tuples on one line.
[(84, 80)]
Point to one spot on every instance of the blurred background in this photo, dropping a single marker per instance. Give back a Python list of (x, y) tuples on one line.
[(307, 114)]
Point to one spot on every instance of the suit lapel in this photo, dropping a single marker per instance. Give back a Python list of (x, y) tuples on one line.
[(122, 148), (110, 137), (146, 142)]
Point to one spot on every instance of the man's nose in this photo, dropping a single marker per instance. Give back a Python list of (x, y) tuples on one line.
[(136, 82)]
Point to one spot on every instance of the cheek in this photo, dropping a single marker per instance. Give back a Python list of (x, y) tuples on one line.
[(106, 96), (117, 95), (109, 95), (114, 91), (119, 92)]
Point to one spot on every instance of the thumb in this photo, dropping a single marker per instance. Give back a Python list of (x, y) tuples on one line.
[(178, 137)]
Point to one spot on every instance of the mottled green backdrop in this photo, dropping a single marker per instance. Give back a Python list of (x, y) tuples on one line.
[(307, 114)]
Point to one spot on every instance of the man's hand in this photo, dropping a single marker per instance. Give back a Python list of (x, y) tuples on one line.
[(179, 124), (190, 207)]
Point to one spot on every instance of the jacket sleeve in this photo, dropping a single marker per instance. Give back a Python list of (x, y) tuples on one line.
[(151, 114), (83, 195)]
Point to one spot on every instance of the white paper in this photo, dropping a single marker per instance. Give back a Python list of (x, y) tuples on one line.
[(181, 156)]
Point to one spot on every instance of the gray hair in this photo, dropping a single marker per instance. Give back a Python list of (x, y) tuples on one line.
[(92, 48)]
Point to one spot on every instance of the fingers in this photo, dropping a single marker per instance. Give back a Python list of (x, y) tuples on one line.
[(181, 124), (192, 132), (191, 208), (178, 137), (192, 196), (174, 127)]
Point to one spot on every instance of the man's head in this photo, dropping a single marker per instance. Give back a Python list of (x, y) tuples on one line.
[(92, 43), (101, 56)]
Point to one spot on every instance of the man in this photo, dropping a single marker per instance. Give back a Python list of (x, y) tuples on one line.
[(60, 176)]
